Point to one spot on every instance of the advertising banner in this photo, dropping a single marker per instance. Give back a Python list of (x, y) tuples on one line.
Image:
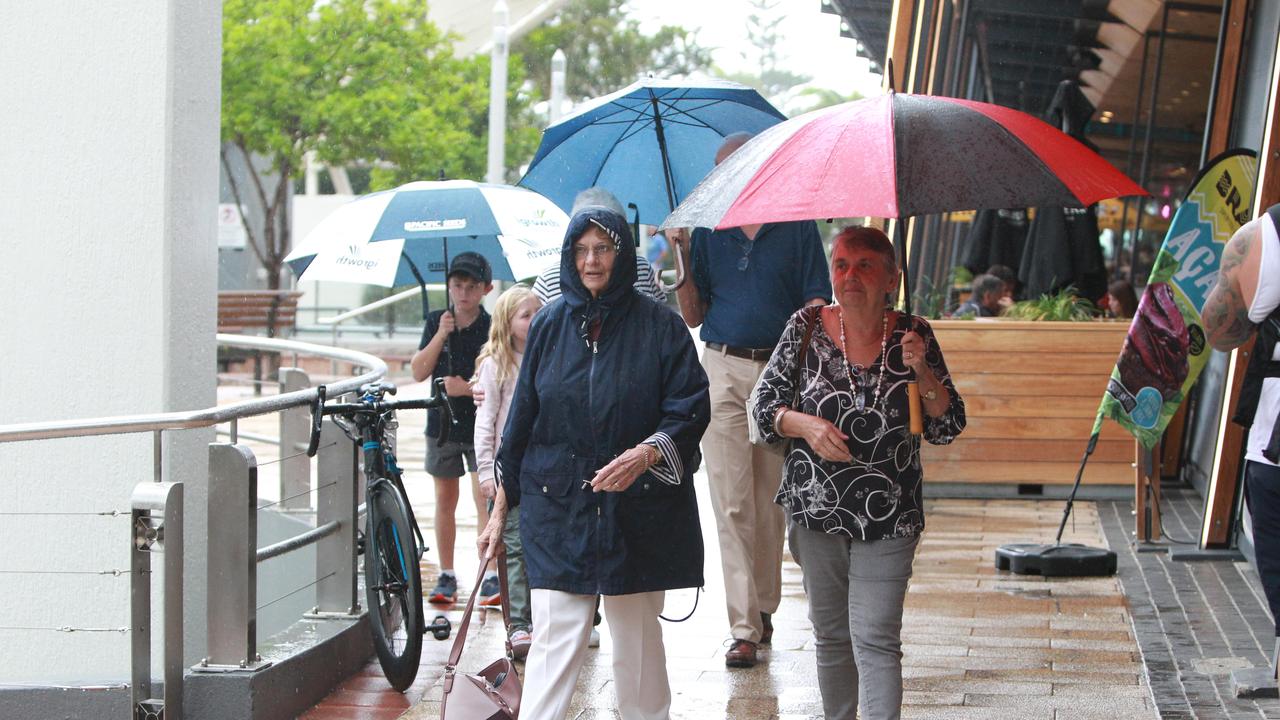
[(1166, 347)]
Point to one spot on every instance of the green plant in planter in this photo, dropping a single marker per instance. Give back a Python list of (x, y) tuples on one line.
[(1064, 305), (930, 301), (961, 276)]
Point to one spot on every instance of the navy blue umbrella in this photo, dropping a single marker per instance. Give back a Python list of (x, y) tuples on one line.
[(649, 144)]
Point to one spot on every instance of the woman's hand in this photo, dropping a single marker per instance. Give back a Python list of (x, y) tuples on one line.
[(622, 471), (913, 352), (490, 539), (824, 437), (477, 394), (489, 488)]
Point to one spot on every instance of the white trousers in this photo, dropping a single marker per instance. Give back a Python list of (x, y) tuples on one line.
[(561, 629)]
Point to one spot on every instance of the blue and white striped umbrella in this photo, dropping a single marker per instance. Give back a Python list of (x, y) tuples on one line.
[(648, 144), (378, 239)]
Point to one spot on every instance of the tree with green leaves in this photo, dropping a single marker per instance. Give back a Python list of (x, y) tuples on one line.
[(355, 81), (606, 50)]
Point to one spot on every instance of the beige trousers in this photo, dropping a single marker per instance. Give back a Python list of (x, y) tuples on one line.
[(744, 479), (561, 627)]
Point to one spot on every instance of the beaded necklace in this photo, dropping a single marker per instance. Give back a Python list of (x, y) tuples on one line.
[(859, 401)]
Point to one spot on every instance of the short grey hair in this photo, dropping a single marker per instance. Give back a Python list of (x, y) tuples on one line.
[(597, 197)]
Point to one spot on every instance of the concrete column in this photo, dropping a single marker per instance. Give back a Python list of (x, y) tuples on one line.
[(108, 195)]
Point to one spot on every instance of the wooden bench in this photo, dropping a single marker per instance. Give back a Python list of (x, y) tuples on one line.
[(272, 310)]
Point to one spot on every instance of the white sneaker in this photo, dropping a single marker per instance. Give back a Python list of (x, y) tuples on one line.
[(594, 642)]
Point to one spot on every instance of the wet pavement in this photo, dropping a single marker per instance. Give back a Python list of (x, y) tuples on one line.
[(977, 643)]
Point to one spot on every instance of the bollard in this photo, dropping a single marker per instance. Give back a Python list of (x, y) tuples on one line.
[(295, 432), (232, 560), (157, 528), (337, 477)]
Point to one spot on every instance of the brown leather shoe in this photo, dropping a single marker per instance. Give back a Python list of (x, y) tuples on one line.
[(742, 654), (766, 620)]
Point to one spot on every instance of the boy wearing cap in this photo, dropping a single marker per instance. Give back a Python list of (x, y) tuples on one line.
[(450, 343)]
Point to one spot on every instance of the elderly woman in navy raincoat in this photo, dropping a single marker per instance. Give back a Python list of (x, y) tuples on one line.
[(599, 452)]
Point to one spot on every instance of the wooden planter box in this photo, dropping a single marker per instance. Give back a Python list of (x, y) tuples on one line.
[(1031, 392)]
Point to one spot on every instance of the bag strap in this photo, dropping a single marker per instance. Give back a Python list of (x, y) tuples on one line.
[(459, 641), (804, 347)]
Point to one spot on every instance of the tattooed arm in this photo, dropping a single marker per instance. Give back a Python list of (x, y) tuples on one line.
[(1226, 312)]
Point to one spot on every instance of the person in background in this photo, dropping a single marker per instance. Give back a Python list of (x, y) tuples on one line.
[(984, 300), (1244, 302), (1121, 301), (744, 284), (852, 483), (450, 343), (598, 452), (1010, 280), (496, 369)]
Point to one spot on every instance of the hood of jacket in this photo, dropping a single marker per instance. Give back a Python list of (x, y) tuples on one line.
[(621, 287)]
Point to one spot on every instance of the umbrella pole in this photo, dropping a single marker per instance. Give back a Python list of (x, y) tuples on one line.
[(453, 417), (671, 194), (662, 151), (915, 414)]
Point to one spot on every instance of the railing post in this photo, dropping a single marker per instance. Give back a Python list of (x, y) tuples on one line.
[(295, 431), (337, 476), (232, 560), (157, 527)]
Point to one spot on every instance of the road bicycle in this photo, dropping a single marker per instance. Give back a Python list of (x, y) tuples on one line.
[(392, 543)]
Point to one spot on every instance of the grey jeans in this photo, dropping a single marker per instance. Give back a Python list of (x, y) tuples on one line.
[(856, 590)]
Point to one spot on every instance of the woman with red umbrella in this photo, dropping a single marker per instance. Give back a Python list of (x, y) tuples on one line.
[(851, 484)]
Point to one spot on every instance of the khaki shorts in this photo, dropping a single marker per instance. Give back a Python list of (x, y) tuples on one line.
[(446, 461)]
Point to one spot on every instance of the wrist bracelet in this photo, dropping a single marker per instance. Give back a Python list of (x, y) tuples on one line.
[(777, 419), (650, 455)]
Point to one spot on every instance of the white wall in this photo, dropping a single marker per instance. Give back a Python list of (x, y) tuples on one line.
[(108, 191)]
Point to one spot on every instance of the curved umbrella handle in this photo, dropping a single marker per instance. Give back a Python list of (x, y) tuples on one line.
[(681, 272)]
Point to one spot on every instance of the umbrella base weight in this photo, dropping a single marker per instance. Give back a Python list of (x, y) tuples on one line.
[(1070, 560)]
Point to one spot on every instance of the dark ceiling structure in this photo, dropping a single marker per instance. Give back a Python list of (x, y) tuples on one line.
[(1031, 45), (1016, 52)]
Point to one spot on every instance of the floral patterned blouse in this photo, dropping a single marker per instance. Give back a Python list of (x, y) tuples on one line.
[(878, 494)]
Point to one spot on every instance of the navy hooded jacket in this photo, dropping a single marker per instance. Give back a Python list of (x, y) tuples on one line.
[(578, 404)]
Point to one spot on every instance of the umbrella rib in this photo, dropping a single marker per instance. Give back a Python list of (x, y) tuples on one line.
[(595, 178), (686, 113)]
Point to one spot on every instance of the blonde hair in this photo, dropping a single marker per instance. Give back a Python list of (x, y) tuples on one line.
[(501, 345)]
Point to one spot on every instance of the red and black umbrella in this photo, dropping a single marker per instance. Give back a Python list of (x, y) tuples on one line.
[(896, 156)]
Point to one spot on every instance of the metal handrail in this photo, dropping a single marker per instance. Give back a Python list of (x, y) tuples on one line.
[(377, 304), (299, 541), (121, 424)]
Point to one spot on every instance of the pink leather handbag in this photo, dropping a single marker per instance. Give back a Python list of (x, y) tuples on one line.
[(494, 692)]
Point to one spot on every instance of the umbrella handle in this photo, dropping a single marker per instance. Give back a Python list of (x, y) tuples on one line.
[(681, 272), (915, 414)]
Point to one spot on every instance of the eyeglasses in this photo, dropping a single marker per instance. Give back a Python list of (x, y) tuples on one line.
[(601, 251)]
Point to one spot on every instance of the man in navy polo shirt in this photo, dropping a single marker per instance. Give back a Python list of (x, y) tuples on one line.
[(746, 283)]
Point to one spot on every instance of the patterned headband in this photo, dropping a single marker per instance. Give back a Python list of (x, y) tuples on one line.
[(617, 240)]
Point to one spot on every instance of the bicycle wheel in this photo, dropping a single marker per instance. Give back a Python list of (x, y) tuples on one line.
[(393, 586)]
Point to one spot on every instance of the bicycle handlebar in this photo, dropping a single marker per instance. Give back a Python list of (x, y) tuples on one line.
[(317, 410), (372, 403)]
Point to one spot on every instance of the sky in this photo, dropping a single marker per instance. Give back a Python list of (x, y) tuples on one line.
[(812, 42)]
